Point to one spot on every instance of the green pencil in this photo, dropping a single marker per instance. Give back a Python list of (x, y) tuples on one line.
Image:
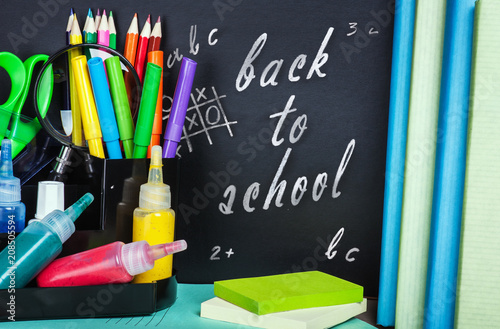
[(91, 35), (112, 31)]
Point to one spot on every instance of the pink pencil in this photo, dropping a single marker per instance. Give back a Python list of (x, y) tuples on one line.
[(103, 31)]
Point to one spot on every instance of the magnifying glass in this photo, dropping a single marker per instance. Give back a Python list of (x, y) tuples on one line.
[(59, 120), (58, 124)]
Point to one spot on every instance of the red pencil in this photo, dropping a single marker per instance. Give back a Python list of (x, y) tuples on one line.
[(155, 38), (142, 49)]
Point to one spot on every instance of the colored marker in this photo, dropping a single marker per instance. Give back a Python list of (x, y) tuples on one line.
[(103, 31), (177, 115), (131, 40), (121, 104), (90, 119), (77, 132), (105, 109), (144, 126), (156, 57), (112, 31), (155, 37), (142, 49)]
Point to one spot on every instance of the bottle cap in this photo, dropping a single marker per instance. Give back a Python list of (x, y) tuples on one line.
[(50, 197), (139, 257), (155, 195), (135, 257), (10, 186)]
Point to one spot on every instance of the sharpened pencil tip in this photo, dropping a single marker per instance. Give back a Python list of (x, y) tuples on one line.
[(158, 21), (89, 14), (149, 19), (71, 11)]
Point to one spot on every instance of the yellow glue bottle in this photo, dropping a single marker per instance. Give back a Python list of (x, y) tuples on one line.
[(154, 220)]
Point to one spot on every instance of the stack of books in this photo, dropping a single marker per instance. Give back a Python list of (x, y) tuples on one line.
[(310, 300)]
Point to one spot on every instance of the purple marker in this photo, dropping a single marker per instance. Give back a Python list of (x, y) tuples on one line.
[(173, 132)]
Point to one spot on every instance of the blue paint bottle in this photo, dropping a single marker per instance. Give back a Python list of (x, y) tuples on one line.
[(12, 210), (38, 244)]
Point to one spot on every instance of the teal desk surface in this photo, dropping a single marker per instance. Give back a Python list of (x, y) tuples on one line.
[(185, 313)]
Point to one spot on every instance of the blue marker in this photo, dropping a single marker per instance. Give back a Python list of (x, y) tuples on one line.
[(105, 109), (12, 210)]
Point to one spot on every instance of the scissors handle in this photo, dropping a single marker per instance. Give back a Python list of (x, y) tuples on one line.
[(17, 73), (21, 133)]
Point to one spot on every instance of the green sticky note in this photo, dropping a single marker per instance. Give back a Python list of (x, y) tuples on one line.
[(285, 292)]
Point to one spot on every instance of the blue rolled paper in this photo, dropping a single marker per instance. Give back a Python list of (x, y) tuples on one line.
[(404, 22), (449, 174)]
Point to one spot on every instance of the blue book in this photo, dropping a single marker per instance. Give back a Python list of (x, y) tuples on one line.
[(396, 148), (450, 166)]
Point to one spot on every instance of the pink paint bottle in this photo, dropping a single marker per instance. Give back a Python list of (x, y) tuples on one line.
[(112, 263)]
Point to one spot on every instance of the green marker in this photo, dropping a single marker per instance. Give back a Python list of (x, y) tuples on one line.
[(121, 104), (147, 107)]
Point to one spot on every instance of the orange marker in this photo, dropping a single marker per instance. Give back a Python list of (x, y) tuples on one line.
[(156, 57), (142, 49)]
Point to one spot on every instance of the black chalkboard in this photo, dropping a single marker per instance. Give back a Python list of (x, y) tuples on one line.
[(283, 153)]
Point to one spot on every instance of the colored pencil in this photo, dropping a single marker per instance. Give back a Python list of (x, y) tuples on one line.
[(68, 27), (156, 57), (142, 48), (66, 112), (97, 19), (103, 31), (155, 37), (91, 35), (75, 38), (85, 26), (112, 31), (131, 40)]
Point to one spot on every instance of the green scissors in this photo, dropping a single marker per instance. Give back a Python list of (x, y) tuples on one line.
[(21, 132)]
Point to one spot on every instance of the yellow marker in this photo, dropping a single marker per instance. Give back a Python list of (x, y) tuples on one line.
[(153, 219), (75, 38), (90, 120)]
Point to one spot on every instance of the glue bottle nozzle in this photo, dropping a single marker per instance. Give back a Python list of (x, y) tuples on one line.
[(79, 206)]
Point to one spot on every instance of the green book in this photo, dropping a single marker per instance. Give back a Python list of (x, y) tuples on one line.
[(286, 292), (478, 287)]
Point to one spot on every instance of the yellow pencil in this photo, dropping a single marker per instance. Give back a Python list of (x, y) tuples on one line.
[(75, 38)]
